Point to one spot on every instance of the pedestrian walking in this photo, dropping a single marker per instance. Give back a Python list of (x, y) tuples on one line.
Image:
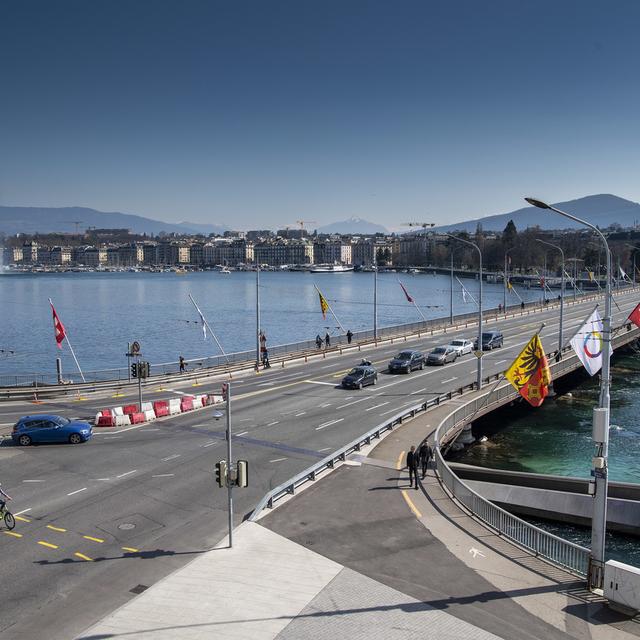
[(500, 307), (265, 359), (182, 364), (318, 341), (424, 455), (522, 306), (327, 340), (412, 465), (349, 336)]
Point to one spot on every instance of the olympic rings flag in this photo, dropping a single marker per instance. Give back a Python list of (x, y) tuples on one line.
[(588, 343)]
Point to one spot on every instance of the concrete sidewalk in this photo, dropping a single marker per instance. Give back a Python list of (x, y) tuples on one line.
[(359, 555)]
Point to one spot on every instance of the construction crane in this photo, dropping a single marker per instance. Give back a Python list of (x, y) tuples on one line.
[(76, 222), (303, 222)]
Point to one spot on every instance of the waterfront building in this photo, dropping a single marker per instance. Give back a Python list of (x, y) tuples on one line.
[(259, 234), (184, 254), (61, 255), (282, 252), (332, 251), (197, 253), (30, 252)]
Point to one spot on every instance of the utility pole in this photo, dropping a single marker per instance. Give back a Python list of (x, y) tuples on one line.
[(257, 317), (231, 475)]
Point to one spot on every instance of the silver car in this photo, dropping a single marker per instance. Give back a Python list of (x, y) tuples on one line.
[(462, 346), (442, 355)]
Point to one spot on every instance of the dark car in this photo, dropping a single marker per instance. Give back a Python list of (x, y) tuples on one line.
[(406, 361), (442, 355), (360, 377), (49, 428), (490, 340)]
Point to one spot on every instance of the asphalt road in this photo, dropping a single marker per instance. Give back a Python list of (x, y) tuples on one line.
[(116, 514)]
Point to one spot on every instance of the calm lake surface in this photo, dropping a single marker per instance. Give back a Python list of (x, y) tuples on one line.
[(104, 311)]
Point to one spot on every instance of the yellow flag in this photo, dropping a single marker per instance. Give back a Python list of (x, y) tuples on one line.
[(530, 373), (591, 276), (509, 285), (324, 305)]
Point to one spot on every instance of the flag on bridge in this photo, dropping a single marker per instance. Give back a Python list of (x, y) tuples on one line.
[(324, 305), (58, 327), (530, 373), (406, 293), (588, 343), (634, 316)]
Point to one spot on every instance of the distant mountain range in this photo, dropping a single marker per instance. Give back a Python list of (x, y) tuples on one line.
[(63, 220), (353, 226), (601, 210)]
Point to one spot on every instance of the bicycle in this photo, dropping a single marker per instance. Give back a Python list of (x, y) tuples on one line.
[(9, 520)]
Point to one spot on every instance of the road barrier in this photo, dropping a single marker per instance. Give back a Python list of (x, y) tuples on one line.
[(117, 378)]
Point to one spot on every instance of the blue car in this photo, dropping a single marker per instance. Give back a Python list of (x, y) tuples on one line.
[(43, 428)]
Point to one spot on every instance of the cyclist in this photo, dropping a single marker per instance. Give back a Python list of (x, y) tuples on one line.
[(5, 495)]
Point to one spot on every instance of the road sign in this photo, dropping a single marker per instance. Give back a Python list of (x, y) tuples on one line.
[(478, 354), (135, 348)]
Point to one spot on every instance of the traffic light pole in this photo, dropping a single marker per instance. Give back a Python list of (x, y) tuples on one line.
[(139, 384), (229, 467)]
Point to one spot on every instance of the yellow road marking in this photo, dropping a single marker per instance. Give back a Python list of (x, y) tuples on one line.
[(83, 557), (50, 526), (11, 533), (79, 399), (48, 544), (22, 519), (118, 395), (93, 539), (131, 549), (411, 505), (399, 463), (341, 373)]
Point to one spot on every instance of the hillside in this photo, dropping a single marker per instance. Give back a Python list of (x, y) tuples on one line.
[(353, 226)]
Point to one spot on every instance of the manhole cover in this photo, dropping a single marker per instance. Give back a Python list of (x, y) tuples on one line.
[(125, 526)]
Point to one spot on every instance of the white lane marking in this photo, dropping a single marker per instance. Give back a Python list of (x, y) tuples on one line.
[(402, 406), (102, 479), (242, 434), (265, 384), (21, 512), (33, 481), (210, 444), (449, 380), (348, 404), (413, 393), (500, 362), (325, 449), (78, 491), (300, 414), (329, 384), (245, 420), (112, 437), (122, 475), (173, 457), (376, 406), (272, 423), (328, 366), (328, 424), (164, 475), (151, 430), (277, 460), (327, 404)]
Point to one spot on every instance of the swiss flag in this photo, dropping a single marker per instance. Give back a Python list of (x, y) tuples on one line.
[(634, 316), (58, 327)]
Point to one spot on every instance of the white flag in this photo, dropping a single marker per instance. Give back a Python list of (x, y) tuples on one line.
[(588, 343), (622, 273), (204, 324), (464, 295)]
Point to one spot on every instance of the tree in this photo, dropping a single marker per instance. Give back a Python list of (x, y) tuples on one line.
[(510, 233)]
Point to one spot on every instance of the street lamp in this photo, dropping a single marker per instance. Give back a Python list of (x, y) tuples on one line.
[(555, 246), (633, 255), (479, 350), (575, 275), (600, 420)]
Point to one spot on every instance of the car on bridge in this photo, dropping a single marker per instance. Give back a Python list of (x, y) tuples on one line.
[(359, 377), (490, 340), (406, 361), (442, 355), (49, 428), (462, 346)]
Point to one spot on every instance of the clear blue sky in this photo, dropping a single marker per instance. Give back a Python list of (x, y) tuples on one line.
[(255, 113)]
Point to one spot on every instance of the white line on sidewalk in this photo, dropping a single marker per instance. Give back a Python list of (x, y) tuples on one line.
[(328, 424), (78, 491)]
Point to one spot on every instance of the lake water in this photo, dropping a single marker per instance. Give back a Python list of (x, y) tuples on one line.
[(104, 311)]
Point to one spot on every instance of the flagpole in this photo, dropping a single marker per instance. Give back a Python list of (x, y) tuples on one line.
[(375, 302), (73, 353), (208, 327), (258, 317), (466, 290), (413, 302), (330, 309), (451, 291)]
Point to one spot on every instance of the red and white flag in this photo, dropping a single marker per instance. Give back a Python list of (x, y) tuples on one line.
[(406, 293), (58, 327), (634, 316)]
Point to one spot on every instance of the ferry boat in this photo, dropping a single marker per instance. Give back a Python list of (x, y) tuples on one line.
[(331, 268)]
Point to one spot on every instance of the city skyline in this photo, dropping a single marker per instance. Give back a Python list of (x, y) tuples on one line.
[(259, 116)]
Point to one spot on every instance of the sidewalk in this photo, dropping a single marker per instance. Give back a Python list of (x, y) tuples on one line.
[(359, 555)]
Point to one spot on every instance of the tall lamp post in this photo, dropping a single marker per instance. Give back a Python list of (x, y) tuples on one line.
[(600, 420), (477, 248), (560, 339)]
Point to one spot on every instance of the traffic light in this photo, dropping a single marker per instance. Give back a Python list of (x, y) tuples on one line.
[(225, 390), (242, 473), (134, 370), (145, 369), (221, 473)]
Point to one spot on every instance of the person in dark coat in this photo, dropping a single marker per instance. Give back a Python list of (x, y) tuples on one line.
[(182, 365), (349, 336), (318, 341), (424, 455), (327, 340), (412, 465)]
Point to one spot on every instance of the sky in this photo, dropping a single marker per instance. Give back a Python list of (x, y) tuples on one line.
[(256, 114)]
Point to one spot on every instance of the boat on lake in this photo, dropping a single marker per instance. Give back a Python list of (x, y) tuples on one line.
[(331, 268)]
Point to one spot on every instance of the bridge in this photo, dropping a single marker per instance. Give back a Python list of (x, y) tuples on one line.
[(94, 515)]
